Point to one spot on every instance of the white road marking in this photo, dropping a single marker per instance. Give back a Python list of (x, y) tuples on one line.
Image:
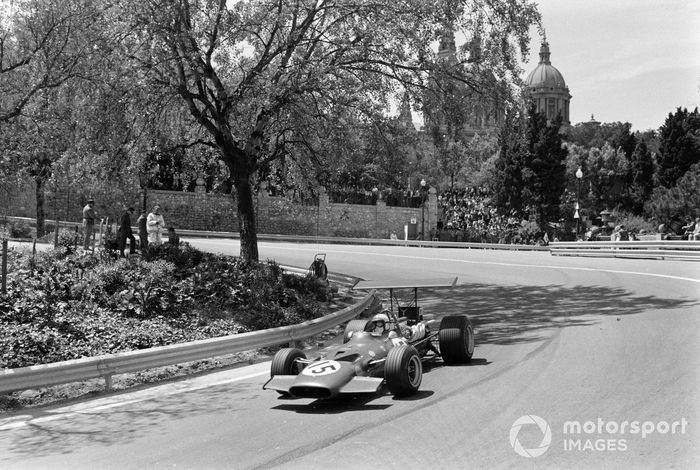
[(494, 263)]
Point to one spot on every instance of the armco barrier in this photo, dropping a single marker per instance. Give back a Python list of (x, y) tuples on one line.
[(45, 375), (660, 249)]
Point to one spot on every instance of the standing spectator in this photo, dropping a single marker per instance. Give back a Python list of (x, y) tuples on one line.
[(688, 230), (155, 224), (89, 217), (143, 231), (125, 232), (696, 232)]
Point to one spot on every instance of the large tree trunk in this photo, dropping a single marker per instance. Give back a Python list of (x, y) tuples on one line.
[(247, 220), (40, 216)]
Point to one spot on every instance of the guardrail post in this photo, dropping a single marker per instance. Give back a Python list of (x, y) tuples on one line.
[(108, 382)]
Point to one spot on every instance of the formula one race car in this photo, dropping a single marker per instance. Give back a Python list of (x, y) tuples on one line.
[(386, 350)]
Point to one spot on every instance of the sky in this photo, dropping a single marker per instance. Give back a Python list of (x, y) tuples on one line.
[(631, 61)]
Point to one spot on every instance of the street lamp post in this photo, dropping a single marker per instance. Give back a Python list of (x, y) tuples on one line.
[(579, 175), (422, 209)]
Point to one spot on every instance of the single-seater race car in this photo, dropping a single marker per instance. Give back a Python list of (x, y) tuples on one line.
[(387, 350)]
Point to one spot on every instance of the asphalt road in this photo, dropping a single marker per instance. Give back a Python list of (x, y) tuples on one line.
[(580, 363)]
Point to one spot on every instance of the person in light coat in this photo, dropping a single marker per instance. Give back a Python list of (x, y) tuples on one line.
[(155, 225)]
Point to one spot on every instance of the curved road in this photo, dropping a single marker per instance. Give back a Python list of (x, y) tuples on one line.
[(580, 363)]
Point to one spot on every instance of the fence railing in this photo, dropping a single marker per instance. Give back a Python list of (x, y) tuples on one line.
[(106, 366), (659, 249)]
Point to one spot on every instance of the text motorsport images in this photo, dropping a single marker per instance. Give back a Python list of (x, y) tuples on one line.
[(594, 435)]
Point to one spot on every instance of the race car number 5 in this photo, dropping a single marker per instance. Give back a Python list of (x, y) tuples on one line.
[(321, 368)]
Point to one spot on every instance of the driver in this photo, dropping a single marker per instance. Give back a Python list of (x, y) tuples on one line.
[(380, 324)]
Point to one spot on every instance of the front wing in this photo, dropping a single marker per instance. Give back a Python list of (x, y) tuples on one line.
[(283, 384)]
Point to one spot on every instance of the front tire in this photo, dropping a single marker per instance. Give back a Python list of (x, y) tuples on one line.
[(403, 370), (456, 339), (286, 362)]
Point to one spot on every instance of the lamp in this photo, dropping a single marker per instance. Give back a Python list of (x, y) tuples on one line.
[(577, 216)]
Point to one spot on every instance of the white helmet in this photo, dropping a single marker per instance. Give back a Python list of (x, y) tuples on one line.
[(380, 323)]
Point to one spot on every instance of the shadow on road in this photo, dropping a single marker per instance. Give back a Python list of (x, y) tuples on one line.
[(517, 314)]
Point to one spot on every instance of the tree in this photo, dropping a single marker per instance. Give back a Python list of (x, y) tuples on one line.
[(640, 182), (680, 146), (43, 44), (508, 183), (616, 134), (681, 202), (605, 171), (265, 79), (544, 167)]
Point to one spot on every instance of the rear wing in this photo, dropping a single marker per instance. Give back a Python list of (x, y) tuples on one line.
[(410, 310)]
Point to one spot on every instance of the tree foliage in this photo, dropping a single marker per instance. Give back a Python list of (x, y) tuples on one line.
[(544, 167), (680, 146), (267, 80), (531, 167), (680, 202), (43, 44)]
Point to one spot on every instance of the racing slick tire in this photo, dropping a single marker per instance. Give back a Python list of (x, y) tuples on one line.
[(403, 370), (354, 326), (285, 362), (456, 338)]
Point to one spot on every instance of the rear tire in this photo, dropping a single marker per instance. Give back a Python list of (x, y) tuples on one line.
[(456, 339), (285, 362), (354, 326), (403, 370)]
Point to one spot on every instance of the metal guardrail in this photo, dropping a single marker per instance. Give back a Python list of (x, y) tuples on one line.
[(660, 249), (105, 366), (365, 241)]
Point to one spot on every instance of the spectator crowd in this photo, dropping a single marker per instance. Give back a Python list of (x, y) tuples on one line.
[(467, 215)]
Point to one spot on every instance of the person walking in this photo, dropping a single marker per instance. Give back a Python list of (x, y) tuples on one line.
[(89, 217), (154, 225), (126, 232)]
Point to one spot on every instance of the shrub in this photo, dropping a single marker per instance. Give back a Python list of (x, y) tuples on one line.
[(62, 305), (19, 230), (183, 256)]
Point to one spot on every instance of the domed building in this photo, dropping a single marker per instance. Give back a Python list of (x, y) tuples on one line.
[(545, 86)]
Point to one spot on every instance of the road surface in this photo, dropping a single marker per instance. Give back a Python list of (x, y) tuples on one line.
[(580, 363)]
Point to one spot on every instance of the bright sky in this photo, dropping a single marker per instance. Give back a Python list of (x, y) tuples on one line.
[(624, 60)]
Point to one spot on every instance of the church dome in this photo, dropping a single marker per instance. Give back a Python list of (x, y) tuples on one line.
[(547, 90), (545, 74)]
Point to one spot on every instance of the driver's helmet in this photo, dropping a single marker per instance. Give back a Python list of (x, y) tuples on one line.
[(380, 323)]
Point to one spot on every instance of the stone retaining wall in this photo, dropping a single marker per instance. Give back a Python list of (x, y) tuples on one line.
[(200, 210)]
